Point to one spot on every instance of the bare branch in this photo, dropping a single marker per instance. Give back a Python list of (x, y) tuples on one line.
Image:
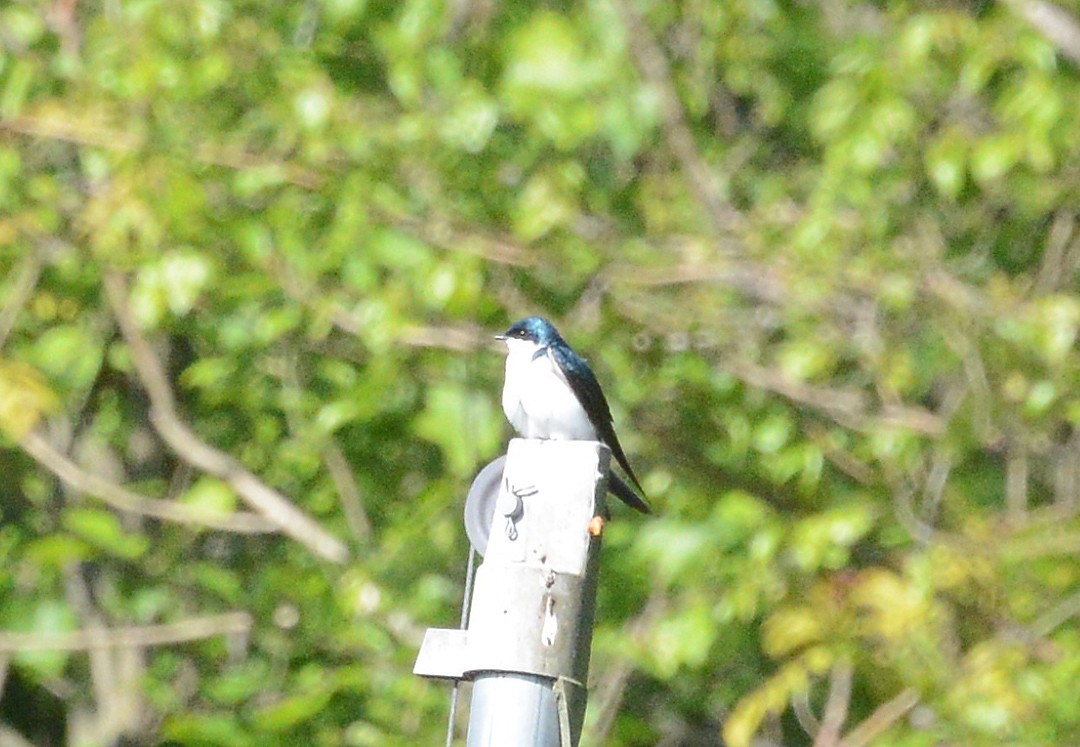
[(11, 738), (1054, 23), (1056, 616), (611, 685), (978, 383), (1067, 475), (333, 457), (836, 707), (114, 671), (309, 295), (1016, 480), (957, 295), (848, 407), (185, 631), (804, 714), (884, 716), (904, 508), (1052, 269), (26, 279), (71, 130), (463, 340), (189, 447), (653, 66), (936, 481), (1046, 544), (442, 233), (123, 499), (352, 505), (758, 282), (62, 18), (239, 160), (841, 458)]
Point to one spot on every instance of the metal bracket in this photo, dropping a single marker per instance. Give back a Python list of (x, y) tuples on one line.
[(532, 609)]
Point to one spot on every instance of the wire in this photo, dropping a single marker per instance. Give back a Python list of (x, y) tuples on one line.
[(466, 602), (469, 422)]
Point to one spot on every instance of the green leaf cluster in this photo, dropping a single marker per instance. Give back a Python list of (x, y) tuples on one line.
[(823, 257)]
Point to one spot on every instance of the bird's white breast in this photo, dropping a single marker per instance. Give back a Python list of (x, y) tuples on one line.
[(536, 398)]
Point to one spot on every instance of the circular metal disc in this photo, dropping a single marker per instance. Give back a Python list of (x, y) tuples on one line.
[(480, 503)]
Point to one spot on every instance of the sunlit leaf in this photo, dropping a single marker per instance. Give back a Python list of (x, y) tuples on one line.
[(103, 530), (211, 495), (24, 398)]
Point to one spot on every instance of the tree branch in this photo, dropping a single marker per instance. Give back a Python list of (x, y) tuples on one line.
[(836, 707), (804, 714), (309, 295), (904, 509), (352, 505), (757, 281), (611, 685), (1056, 616), (848, 407), (123, 499), (189, 447), (1054, 23), (884, 716), (185, 631), (841, 458), (653, 67), (444, 234), (459, 339), (26, 280), (11, 738), (71, 130), (1017, 470)]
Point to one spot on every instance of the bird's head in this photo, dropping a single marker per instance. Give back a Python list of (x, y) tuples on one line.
[(534, 329)]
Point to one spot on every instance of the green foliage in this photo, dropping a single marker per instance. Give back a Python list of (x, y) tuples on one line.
[(823, 257)]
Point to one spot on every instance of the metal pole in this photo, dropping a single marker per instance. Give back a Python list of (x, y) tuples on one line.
[(513, 709), (530, 626)]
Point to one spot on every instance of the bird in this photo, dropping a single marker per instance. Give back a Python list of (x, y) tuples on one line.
[(551, 393)]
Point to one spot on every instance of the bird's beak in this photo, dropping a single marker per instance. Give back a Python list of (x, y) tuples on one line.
[(500, 337)]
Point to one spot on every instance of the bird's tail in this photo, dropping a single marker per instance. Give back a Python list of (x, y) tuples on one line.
[(618, 487)]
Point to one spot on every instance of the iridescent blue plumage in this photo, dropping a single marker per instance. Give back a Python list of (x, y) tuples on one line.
[(550, 392)]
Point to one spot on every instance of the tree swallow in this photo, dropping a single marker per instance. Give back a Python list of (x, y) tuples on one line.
[(550, 392)]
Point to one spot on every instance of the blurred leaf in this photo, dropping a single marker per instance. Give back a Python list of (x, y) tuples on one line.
[(790, 629), (449, 409), (292, 711), (67, 354), (826, 254), (24, 398), (671, 547), (682, 640), (239, 684), (210, 494), (45, 618), (946, 163), (58, 551), (102, 529), (824, 540), (772, 697), (217, 729)]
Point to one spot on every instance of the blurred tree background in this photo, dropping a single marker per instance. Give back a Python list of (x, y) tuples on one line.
[(824, 257)]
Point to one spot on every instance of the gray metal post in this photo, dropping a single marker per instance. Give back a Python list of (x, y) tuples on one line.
[(530, 627), (513, 709)]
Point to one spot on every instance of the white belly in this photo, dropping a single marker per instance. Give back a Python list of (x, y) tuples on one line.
[(537, 400)]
